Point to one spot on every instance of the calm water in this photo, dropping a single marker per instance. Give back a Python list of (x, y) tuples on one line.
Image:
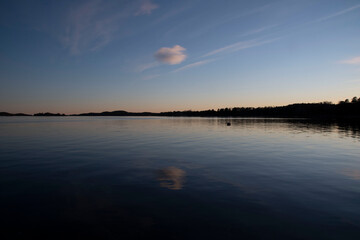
[(178, 178)]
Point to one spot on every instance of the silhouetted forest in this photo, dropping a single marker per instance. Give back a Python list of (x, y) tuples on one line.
[(346, 109), (47, 114), (343, 109)]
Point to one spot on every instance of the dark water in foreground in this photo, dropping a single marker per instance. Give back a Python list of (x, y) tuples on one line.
[(181, 178)]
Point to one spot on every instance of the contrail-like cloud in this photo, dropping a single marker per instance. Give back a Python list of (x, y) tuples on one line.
[(199, 63), (240, 46), (338, 13)]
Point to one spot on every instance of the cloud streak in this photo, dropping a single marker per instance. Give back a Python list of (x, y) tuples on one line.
[(93, 24), (149, 77), (90, 26), (212, 24), (172, 13), (352, 61), (174, 55), (259, 30), (240, 46), (196, 64), (338, 13), (147, 66)]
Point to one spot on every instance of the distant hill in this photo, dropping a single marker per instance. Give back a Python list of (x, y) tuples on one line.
[(118, 113), (344, 109), (13, 114)]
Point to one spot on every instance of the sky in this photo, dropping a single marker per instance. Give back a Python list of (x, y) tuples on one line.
[(165, 55)]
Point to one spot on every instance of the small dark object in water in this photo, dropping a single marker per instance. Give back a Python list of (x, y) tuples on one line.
[(228, 124)]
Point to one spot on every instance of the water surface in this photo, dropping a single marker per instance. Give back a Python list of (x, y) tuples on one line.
[(178, 178)]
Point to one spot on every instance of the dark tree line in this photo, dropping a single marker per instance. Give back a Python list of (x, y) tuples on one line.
[(344, 108), (47, 114)]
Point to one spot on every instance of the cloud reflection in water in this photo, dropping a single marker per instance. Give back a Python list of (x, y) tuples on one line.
[(352, 173), (171, 177)]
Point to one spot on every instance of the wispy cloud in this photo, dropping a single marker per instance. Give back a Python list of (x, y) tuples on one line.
[(172, 13), (353, 61), (147, 66), (90, 26), (146, 8), (174, 55), (338, 13), (199, 63), (213, 23), (240, 46), (258, 30)]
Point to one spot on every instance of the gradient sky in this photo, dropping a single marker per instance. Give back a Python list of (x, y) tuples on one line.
[(153, 55)]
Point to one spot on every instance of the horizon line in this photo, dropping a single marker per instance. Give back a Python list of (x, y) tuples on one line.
[(264, 106)]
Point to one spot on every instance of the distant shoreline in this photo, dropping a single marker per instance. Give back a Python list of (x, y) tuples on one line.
[(324, 110)]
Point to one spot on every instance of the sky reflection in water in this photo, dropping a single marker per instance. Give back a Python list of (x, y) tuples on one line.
[(179, 178)]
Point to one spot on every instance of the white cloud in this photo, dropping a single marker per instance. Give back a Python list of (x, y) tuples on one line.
[(199, 63), (174, 55), (240, 46), (146, 8), (354, 61)]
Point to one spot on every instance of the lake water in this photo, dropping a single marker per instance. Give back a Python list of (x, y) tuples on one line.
[(178, 178)]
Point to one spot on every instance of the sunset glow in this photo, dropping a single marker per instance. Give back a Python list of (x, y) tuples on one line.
[(82, 56)]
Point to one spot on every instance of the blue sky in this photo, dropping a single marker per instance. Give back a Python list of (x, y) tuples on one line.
[(152, 55)]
